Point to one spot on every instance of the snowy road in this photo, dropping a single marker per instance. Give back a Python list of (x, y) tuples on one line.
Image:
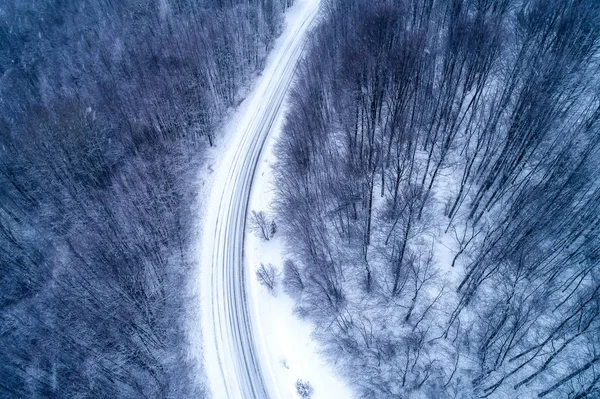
[(232, 361)]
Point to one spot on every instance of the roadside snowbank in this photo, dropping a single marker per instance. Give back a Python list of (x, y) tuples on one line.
[(284, 339)]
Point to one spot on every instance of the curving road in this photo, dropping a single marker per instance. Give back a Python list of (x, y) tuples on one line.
[(232, 362)]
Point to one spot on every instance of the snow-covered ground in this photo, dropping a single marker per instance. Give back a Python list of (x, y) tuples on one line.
[(284, 339)]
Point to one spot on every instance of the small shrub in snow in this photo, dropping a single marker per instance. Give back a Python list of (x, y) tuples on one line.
[(267, 276), (259, 224), (304, 389)]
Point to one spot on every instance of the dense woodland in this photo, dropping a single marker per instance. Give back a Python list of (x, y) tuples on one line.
[(438, 186), (105, 109)]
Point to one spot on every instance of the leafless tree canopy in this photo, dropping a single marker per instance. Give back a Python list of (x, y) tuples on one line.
[(438, 190), (106, 107)]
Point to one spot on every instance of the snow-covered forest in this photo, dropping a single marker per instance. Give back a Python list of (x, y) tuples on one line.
[(438, 188), (433, 210), (106, 108)]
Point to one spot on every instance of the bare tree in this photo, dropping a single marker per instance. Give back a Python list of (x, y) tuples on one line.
[(261, 226), (292, 279), (267, 276)]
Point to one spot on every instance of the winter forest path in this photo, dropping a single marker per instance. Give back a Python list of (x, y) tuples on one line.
[(232, 362)]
